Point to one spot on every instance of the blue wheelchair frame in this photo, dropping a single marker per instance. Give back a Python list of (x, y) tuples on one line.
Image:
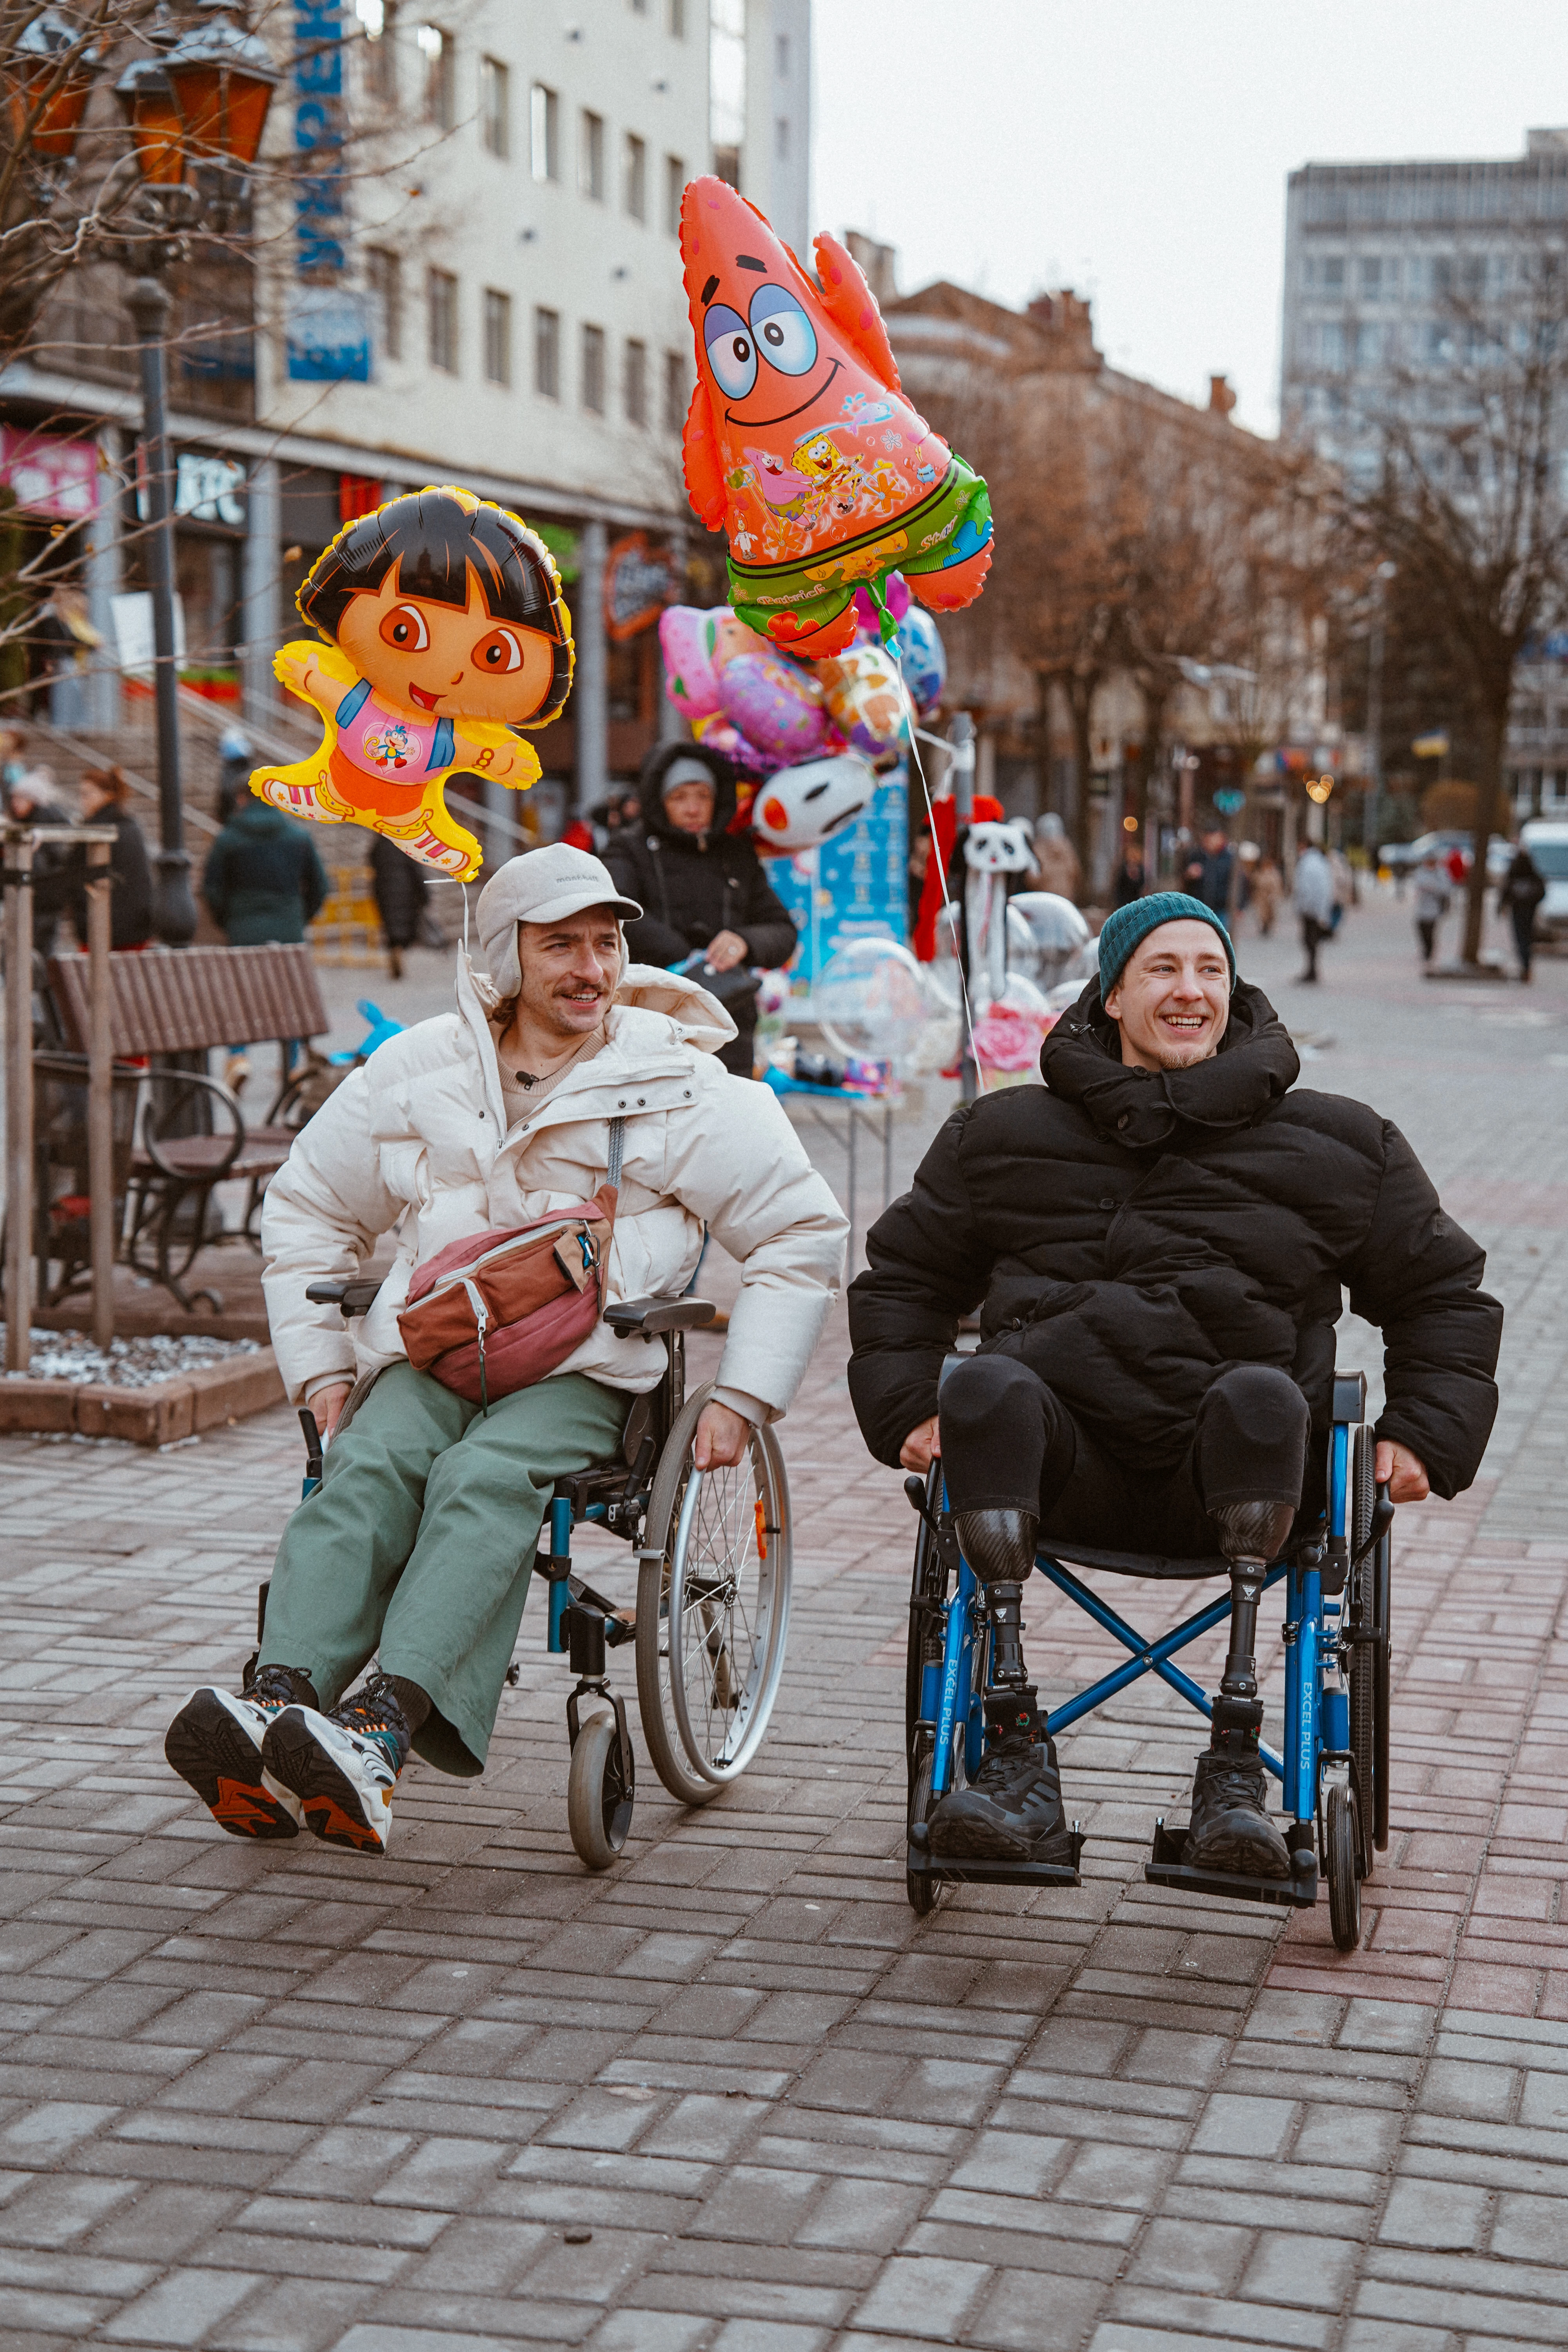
[(1336, 1632)]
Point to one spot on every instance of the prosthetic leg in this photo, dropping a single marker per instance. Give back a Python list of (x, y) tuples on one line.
[(1231, 1830), (1012, 1809)]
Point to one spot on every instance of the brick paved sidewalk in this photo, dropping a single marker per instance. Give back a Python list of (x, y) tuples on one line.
[(263, 2099)]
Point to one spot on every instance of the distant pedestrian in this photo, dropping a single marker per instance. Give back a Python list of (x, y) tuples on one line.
[(1267, 890), (1432, 895), (31, 799), (1056, 859), (400, 887), (263, 882), (1345, 885), (1314, 901), (1127, 882), (1209, 869), (1519, 893), (236, 760)]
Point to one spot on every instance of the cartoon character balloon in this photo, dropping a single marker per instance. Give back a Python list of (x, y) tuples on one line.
[(799, 443), (865, 699), (446, 629), (775, 704), (802, 806)]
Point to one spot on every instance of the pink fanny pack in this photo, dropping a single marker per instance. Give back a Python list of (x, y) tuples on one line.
[(494, 1313)]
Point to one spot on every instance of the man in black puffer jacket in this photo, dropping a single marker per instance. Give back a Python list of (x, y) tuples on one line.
[(1160, 1240), (702, 887)]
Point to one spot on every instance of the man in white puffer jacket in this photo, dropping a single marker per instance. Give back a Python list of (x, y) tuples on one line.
[(420, 1541)]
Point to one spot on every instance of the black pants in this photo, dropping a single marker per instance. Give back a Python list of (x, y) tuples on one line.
[(1426, 932), (1313, 934), (1524, 919), (1009, 1443)]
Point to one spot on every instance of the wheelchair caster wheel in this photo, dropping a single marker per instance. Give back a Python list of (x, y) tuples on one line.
[(1342, 1859), (600, 1790)]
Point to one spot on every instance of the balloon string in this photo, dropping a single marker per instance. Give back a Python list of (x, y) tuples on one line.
[(949, 910)]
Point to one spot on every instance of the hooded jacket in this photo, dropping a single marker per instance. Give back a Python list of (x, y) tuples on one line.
[(1132, 1232), (263, 879), (691, 885), (417, 1140)]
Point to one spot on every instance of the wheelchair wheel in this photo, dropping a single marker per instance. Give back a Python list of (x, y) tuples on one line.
[(599, 1792), (1363, 1666), (924, 1893), (927, 1591), (712, 1609), (1342, 1858)]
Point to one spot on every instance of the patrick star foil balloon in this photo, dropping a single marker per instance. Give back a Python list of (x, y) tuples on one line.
[(800, 444)]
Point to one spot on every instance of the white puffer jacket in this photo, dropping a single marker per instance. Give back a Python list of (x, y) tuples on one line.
[(415, 1140)]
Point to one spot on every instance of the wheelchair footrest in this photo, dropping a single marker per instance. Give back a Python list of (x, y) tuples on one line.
[(970, 1870), (1167, 1867)]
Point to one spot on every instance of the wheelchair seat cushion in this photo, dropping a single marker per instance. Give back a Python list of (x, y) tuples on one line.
[(1071, 1554)]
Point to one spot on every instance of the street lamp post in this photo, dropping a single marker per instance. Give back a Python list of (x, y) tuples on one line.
[(203, 101), (1381, 578)]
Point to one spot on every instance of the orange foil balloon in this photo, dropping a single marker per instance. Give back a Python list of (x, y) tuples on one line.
[(799, 444)]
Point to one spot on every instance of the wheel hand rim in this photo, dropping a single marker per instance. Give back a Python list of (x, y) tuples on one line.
[(717, 1523)]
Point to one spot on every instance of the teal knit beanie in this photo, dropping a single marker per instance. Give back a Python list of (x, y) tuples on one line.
[(1123, 930)]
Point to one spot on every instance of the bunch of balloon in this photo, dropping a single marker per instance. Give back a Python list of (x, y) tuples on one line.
[(800, 444)]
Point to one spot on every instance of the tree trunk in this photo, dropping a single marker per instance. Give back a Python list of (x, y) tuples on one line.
[(1080, 693), (1488, 814)]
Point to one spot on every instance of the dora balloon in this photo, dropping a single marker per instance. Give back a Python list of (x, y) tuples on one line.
[(447, 629), (799, 443)]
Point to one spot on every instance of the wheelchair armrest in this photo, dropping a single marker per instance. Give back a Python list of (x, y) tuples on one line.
[(351, 1297), (648, 1318)]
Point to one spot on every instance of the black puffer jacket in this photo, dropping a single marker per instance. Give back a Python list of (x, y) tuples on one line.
[(1130, 1234), (692, 886)]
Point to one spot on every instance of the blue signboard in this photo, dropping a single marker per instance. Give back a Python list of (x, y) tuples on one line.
[(855, 887), (329, 327)]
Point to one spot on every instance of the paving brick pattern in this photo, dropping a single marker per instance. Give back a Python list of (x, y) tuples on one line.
[(279, 2098)]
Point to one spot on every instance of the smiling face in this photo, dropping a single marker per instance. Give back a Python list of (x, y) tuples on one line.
[(570, 972), (771, 364), (1172, 1001), (431, 660)]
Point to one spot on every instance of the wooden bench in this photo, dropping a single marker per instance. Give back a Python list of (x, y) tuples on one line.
[(191, 1135)]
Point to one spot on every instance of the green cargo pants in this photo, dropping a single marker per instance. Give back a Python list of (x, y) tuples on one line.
[(419, 1543)]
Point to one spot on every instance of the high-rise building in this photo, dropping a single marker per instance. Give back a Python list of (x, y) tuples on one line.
[(1376, 255)]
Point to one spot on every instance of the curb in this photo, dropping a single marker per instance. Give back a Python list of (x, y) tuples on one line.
[(156, 1415)]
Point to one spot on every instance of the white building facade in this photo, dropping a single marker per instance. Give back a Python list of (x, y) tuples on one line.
[(466, 270)]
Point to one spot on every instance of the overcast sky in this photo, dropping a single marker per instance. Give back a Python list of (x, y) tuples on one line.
[(1137, 150)]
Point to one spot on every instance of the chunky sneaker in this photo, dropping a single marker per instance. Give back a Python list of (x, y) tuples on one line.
[(342, 1767), (1231, 1830), (216, 1743), (1012, 1809)]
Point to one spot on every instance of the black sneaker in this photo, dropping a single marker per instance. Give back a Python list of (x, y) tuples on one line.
[(342, 1767), (1230, 1829), (1012, 1809), (216, 1743)]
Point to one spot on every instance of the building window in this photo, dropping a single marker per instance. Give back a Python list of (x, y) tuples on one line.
[(1372, 279), (439, 57), (441, 296), (781, 51), (498, 337), (593, 370), (384, 271), (781, 139), (1331, 344), (547, 354), (379, 18), (591, 156), (674, 391), (727, 84), (544, 132), (674, 188), (677, 20), (634, 177), (637, 382), (1331, 274), (495, 108)]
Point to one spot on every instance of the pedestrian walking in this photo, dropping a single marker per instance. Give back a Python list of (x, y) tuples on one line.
[(105, 797), (1432, 895), (263, 882), (31, 800), (1127, 882), (1519, 893), (1266, 892), (703, 887), (1056, 859), (400, 887), (1345, 885), (1208, 872), (1314, 901)]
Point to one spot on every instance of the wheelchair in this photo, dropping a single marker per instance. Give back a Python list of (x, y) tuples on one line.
[(1335, 1769), (714, 1552)]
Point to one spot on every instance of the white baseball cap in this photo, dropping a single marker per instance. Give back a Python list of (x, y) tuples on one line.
[(544, 885)]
